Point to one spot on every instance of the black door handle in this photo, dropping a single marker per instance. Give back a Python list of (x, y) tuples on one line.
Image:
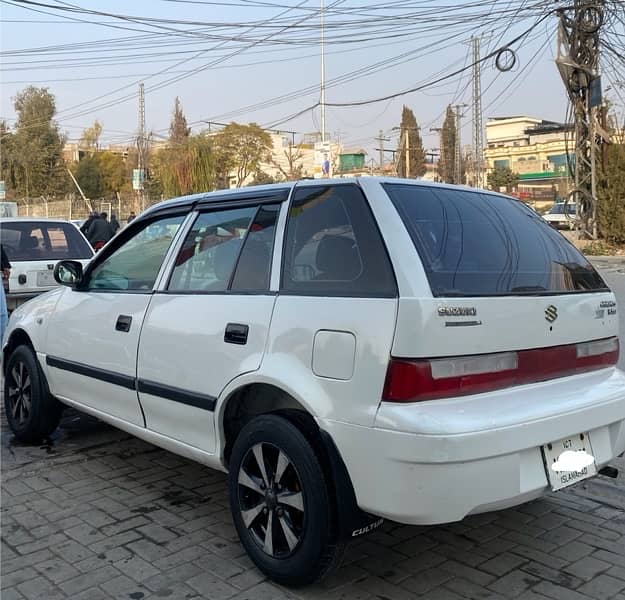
[(236, 333), (123, 323)]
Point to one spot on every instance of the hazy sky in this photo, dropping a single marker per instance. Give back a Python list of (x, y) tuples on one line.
[(222, 57)]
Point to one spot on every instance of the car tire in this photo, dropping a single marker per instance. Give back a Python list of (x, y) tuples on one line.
[(31, 411), (289, 497)]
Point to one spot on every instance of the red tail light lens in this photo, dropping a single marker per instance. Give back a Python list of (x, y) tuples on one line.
[(429, 379)]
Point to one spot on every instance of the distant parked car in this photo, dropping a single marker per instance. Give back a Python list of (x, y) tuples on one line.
[(34, 246), (78, 222), (562, 216)]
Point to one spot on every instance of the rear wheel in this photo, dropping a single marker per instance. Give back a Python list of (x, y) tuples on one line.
[(32, 413), (280, 502)]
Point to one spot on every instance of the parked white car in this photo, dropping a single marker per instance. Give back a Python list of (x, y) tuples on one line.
[(562, 216), (348, 350), (34, 245)]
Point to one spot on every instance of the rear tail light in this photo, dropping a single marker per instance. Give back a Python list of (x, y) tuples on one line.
[(429, 379)]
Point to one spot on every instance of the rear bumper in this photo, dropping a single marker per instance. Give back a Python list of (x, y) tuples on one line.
[(443, 460)]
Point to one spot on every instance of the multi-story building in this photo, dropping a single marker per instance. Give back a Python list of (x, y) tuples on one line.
[(539, 151)]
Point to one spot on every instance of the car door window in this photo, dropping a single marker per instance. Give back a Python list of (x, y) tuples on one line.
[(135, 265), (333, 246), (254, 265), (210, 251)]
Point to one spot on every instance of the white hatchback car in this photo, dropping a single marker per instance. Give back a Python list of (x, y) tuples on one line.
[(348, 350), (562, 215), (34, 245)]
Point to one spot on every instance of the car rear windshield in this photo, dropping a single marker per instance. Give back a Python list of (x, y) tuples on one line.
[(558, 209), (479, 244), (38, 240)]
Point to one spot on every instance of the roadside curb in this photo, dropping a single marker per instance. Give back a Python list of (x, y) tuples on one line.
[(615, 260)]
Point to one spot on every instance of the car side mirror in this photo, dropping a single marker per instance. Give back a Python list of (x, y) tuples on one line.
[(68, 272)]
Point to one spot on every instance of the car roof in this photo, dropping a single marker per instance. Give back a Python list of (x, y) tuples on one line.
[(271, 189), (32, 220)]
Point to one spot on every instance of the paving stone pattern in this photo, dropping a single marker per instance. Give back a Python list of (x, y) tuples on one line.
[(97, 514)]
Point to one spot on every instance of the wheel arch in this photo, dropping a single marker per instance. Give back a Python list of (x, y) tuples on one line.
[(258, 398), (250, 400), (18, 337)]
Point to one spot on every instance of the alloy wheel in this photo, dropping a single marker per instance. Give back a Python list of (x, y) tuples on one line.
[(19, 393), (271, 500)]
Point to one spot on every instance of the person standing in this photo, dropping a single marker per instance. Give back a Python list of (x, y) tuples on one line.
[(84, 228), (114, 223), (5, 268), (131, 216), (99, 231)]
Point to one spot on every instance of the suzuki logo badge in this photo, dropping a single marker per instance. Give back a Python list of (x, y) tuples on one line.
[(551, 313)]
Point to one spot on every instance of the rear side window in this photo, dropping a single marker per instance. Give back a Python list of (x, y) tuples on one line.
[(474, 244), (210, 251), (254, 265), (333, 246), (32, 240), (227, 250)]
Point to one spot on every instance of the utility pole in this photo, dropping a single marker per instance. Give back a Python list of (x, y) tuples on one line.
[(139, 177), (407, 142), (381, 139), (439, 130), (478, 139), (458, 147), (322, 100), (578, 63), (393, 152), (404, 144)]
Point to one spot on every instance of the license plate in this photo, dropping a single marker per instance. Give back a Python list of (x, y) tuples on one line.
[(558, 453), (45, 278)]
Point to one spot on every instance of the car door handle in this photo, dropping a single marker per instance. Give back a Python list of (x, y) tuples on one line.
[(236, 333), (123, 323)]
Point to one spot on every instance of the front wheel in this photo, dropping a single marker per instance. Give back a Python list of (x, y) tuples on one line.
[(280, 502), (32, 413)]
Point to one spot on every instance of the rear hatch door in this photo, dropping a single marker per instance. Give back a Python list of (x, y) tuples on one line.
[(500, 278)]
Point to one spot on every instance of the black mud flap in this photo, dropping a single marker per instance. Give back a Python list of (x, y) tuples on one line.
[(352, 521)]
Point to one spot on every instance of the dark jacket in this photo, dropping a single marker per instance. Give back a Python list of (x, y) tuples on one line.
[(99, 231), (114, 224), (84, 228)]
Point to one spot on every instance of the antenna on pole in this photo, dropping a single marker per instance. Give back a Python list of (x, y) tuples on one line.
[(323, 78)]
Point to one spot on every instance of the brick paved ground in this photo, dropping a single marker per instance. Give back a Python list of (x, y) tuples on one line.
[(99, 514)]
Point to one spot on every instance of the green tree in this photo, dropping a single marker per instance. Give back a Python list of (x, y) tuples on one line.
[(9, 166), (502, 177), (91, 136), (113, 172), (89, 176), (186, 168), (410, 147), (447, 160), (40, 169), (611, 196), (178, 129), (241, 149)]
